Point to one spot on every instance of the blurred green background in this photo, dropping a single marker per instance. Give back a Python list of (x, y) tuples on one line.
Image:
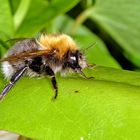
[(112, 24)]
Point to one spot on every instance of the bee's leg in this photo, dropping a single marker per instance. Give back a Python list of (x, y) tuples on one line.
[(82, 74), (54, 83), (92, 66), (13, 80), (50, 72)]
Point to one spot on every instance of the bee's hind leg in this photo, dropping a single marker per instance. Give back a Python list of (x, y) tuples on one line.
[(13, 80)]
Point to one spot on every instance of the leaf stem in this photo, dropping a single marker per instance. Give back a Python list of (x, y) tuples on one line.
[(81, 18), (5, 46), (21, 12)]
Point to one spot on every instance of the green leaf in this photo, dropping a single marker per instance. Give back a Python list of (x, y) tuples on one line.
[(42, 12), (120, 19), (104, 108), (97, 54), (6, 20)]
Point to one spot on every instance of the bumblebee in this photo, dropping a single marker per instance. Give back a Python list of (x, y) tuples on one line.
[(42, 56)]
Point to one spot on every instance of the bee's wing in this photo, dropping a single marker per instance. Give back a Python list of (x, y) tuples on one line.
[(26, 55), (12, 41)]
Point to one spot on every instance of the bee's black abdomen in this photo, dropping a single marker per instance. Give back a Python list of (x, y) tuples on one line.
[(36, 65)]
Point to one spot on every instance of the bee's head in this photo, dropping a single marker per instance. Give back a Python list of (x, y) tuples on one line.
[(75, 60)]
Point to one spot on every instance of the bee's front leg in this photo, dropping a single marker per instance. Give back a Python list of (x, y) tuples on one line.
[(91, 66)]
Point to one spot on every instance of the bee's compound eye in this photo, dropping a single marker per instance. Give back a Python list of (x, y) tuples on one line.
[(73, 60), (73, 63)]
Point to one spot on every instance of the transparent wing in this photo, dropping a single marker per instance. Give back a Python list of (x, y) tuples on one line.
[(12, 41), (26, 55)]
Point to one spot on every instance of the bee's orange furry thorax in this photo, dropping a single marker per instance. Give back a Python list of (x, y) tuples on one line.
[(59, 42)]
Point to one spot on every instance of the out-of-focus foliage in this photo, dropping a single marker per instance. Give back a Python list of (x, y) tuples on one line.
[(120, 19), (29, 17)]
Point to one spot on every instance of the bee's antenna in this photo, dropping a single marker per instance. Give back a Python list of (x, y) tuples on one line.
[(90, 46)]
